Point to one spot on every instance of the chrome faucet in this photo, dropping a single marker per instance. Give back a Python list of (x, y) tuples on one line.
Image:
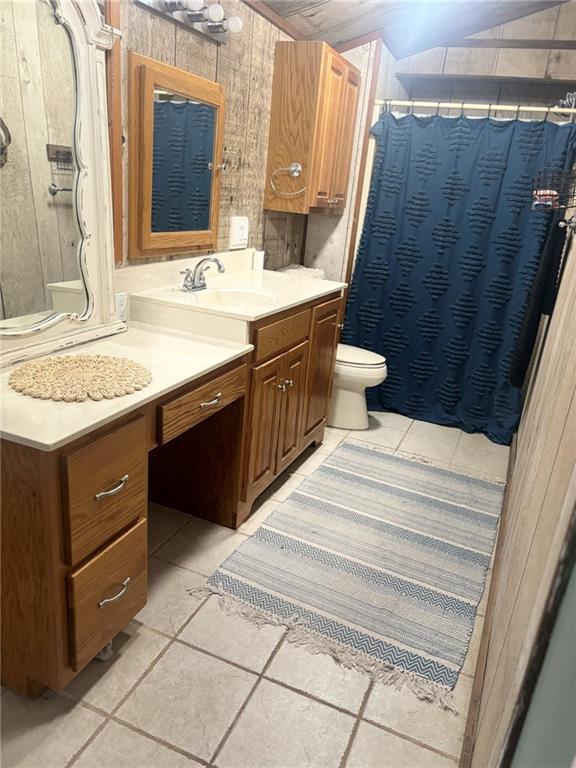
[(195, 279)]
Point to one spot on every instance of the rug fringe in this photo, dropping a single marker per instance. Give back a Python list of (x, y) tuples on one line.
[(301, 636)]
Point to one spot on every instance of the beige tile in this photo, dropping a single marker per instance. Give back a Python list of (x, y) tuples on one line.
[(231, 637), (425, 721), (381, 436), (375, 748), (428, 447), (200, 546), (469, 666), (188, 699), (389, 419), (334, 436), (162, 523), (435, 432), (319, 675), (104, 683), (119, 747), (310, 460), (51, 726), (483, 457), (169, 603), (283, 486), (258, 516), (283, 729)]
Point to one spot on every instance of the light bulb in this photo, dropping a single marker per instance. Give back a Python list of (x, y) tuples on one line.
[(233, 24), (215, 12), (195, 5)]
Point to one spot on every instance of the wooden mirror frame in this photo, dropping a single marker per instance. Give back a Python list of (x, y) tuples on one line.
[(143, 75)]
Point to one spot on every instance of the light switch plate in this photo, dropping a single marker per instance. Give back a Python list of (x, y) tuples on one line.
[(239, 229)]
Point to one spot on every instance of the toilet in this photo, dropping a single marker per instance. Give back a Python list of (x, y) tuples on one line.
[(356, 369)]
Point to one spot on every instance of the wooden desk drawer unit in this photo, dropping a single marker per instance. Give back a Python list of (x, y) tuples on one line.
[(276, 337), (178, 415), (106, 592), (107, 487)]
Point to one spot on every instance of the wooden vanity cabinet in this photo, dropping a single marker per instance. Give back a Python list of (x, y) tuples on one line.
[(291, 383), (74, 549), (313, 117)]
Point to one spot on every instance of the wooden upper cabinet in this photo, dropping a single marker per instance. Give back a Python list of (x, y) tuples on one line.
[(313, 118)]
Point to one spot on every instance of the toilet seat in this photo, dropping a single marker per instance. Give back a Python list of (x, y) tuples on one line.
[(355, 357)]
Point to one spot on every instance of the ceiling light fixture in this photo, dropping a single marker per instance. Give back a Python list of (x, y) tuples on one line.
[(202, 16)]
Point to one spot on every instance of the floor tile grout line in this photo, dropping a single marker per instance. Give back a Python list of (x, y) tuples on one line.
[(356, 725), (411, 739), (244, 705), (135, 729)]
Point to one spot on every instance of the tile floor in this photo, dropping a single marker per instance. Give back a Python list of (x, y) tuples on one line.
[(191, 686)]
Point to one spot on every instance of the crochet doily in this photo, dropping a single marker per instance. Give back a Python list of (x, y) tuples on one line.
[(75, 378)]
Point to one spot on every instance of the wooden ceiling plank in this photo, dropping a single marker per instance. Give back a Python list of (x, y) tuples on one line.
[(558, 45)]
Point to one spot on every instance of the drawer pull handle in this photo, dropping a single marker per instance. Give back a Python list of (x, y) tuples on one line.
[(112, 491), (214, 401), (120, 594)]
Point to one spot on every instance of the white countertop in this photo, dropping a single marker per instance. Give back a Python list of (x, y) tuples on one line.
[(288, 290), (174, 358)]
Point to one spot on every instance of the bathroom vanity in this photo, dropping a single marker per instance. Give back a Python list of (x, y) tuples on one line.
[(241, 380)]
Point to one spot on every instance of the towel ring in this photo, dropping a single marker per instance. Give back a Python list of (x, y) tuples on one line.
[(294, 170)]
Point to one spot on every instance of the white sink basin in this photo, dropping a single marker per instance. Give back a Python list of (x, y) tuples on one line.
[(235, 297)]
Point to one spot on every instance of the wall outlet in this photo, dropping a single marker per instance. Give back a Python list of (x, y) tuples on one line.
[(239, 228), (122, 306)]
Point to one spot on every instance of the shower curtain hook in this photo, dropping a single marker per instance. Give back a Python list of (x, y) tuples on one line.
[(412, 107), (462, 109), (518, 112), (489, 110), (437, 108), (547, 114)]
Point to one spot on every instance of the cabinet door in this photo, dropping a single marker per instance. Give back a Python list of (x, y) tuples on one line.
[(323, 340), (292, 405), (343, 157), (327, 142), (263, 423)]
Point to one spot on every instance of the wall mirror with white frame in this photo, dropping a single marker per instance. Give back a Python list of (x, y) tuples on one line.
[(56, 268)]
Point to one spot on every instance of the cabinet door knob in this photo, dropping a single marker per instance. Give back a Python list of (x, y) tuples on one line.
[(340, 326), (112, 491), (117, 596), (289, 383), (282, 387)]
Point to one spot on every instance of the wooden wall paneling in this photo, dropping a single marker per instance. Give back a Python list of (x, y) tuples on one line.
[(196, 54), (33, 103), (149, 33), (274, 18), (264, 37), (113, 16), (17, 223), (234, 66), (546, 453)]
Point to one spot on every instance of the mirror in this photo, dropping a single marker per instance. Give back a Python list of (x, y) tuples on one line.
[(40, 236), (175, 143)]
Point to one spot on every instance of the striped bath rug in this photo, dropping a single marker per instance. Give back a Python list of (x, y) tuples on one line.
[(377, 560)]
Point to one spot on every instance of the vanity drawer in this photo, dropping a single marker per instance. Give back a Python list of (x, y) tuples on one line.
[(106, 484), (276, 337), (178, 415), (106, 592)]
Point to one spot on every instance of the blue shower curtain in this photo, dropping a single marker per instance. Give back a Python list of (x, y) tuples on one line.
[(182, 166), (448, 255)]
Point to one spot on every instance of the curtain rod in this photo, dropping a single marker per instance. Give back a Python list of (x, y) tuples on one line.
[(463, 106)]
